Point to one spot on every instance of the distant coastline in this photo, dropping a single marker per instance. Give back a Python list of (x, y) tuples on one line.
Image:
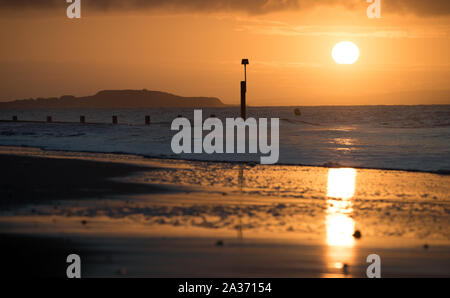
[(116, 99)]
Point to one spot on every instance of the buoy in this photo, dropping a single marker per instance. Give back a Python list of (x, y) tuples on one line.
[(297, 112)]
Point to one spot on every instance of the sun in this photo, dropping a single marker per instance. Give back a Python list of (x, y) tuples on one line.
[(345, 52)]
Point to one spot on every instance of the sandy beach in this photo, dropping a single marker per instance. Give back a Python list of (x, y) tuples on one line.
[(128, 216)]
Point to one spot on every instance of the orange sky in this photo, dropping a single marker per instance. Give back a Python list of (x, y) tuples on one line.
[(196, 51)]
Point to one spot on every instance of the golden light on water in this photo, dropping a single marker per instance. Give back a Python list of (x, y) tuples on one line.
[(341, 183), (340, 225)]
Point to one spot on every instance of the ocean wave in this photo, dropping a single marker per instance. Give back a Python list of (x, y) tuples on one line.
[(359, 137)]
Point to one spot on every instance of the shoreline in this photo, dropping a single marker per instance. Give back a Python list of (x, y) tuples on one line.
[(330, 165)]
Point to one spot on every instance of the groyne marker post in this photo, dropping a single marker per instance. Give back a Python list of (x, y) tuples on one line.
[(245, 62)]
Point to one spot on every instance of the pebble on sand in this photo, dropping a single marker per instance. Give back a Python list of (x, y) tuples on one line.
[(357, 234)]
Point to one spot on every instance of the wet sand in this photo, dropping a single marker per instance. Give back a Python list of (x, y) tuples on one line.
[(35, 180), (133, 217)]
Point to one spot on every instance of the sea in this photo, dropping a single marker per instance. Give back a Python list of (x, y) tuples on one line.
[(413, 138)]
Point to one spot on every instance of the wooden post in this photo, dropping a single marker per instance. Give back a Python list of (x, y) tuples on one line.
[(147, 120), (243, 91), (14, 118), (114, 120), (49, 119), (82, 119)]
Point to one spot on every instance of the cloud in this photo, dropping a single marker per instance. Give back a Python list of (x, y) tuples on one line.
[(417, 7), (248, 6), (285, 29)]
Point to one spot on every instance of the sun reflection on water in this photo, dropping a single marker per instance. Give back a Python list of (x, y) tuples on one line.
[(341, 183), (340, 225)]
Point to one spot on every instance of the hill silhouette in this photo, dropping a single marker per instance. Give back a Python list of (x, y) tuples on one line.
[(116, 99)]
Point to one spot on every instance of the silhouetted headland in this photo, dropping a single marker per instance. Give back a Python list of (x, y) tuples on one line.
[(116, 99)]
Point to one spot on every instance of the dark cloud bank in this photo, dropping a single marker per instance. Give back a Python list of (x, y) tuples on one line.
[(417, 7)]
